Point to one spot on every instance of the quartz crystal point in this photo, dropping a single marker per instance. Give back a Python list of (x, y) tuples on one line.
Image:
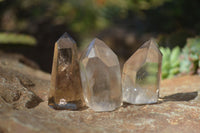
[(65, 91), (100, 76), (141, 75)]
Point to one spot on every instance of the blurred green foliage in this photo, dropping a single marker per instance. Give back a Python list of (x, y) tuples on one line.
[(89, 16), (170, 62), (11, 38), (84, 17), (190, 57), (184, 61)]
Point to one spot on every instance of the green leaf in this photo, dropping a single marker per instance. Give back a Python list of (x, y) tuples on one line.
[(175, 63), (174, 71), (175, 54)]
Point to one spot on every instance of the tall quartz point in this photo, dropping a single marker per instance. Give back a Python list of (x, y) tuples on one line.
[(101, 77), (141, 75), (65, 91)]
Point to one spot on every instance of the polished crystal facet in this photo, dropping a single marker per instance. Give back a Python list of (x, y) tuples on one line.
[(101, 77), (141, 75), (65, 91)]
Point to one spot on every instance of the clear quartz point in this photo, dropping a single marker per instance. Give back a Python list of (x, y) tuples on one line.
[(141, 75), (65, 91), (101, 77)]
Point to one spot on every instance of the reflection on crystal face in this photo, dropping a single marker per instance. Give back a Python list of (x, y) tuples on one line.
[(100, 75), (141, 75), (65, 91)]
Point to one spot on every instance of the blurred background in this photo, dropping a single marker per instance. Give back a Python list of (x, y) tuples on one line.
[(31, 27)]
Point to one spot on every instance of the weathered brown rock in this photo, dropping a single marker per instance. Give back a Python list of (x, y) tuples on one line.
[(177, 111)]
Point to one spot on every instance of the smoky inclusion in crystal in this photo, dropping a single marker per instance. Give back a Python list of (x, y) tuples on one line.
[(65, 91), (101, 77), (141, 75)]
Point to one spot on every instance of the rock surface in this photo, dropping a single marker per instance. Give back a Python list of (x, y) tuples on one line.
[(24, 109)]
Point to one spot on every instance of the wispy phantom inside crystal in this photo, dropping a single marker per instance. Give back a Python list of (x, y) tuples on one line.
[(65, 91), (101, 78), (141, 75)]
